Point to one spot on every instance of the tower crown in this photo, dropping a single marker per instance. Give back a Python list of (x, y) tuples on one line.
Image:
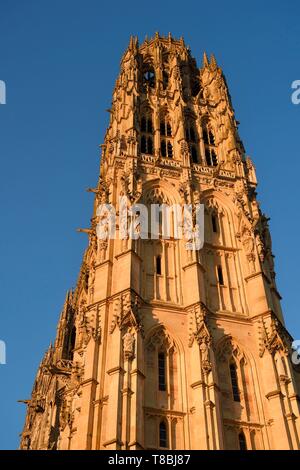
[(160, 82)]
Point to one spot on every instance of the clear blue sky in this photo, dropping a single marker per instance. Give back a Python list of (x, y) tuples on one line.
[(59, 60)]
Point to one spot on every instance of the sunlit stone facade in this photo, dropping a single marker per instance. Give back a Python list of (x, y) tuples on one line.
[(159, 346)]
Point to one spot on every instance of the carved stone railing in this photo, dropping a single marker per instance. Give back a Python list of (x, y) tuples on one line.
[(202, 169), (147, 158), (169, 162), (208, 170), (64, 364)]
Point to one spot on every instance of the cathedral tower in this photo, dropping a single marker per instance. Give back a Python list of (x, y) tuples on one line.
[(160, 346)]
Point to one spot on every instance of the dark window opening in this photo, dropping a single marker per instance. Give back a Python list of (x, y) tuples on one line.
[(170, 150), (149, 146), (165, 129), (149, 78), (242, 441), (169, 130), (214, 158), (166, 149), (211, 138), (220, 276), (161, 372), (72, 343), (146, 137), (205, 137), (143, 144), (163, 435), (234, 383), (158, 265), (207, 157), (210, 157), (163, 148), (194, 154), (214, 223), (143, 124), (192, 135), (149, 125), (165, 80)]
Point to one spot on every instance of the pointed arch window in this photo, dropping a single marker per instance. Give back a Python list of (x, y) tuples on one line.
[(242, 441), (163, 434), (146, 134), (234, 382)]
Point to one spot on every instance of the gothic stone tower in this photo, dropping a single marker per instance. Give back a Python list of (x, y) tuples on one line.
[(159, 346)]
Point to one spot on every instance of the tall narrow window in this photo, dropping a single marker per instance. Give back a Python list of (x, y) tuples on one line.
[(163, 434), (162, 372), (234, 382), (209, 143), (214, 223), (242, 441), (220, 275), (170, 150), (72, 344), (158, 265), (147, 135), (194, 154), (166, 147), (191, 138)]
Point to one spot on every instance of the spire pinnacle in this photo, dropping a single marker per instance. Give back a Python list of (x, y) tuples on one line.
[(213, 61), (205, 60)]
